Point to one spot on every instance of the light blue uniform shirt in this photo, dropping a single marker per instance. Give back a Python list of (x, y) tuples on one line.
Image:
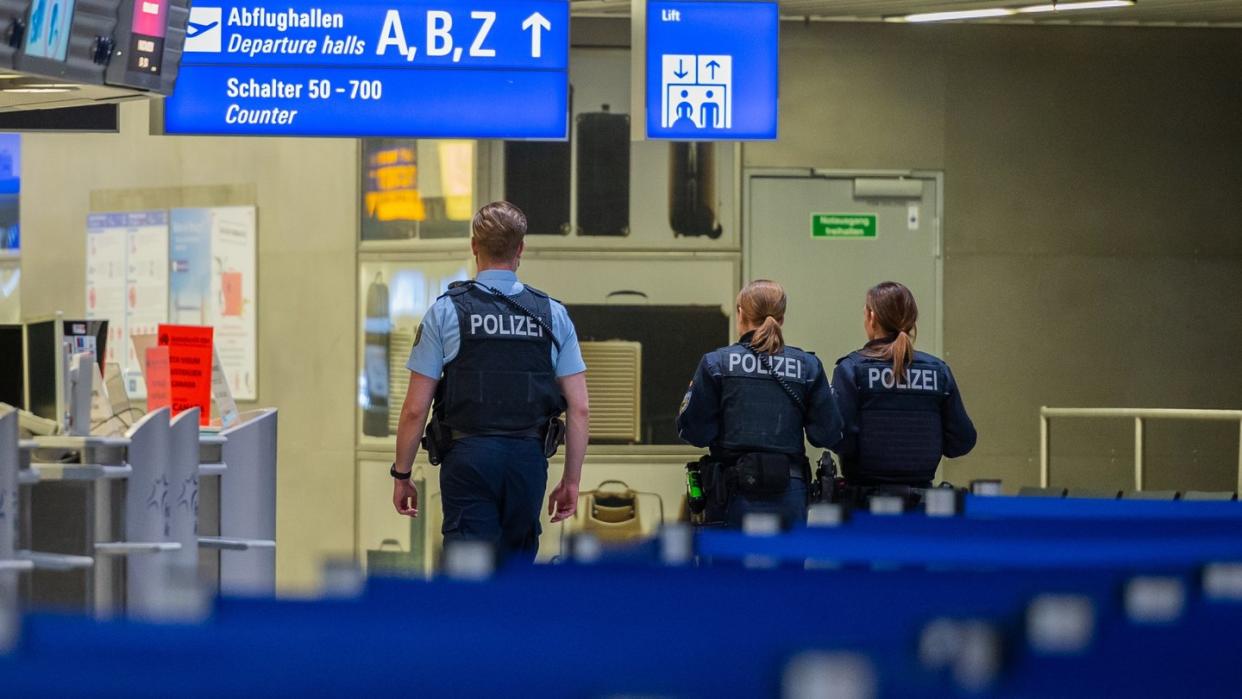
[(440, 336)]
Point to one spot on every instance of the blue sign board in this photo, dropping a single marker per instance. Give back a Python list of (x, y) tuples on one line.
[(712, 70), (455, 69)]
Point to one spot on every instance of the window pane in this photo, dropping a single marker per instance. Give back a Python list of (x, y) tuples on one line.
[(395, 297), (417, 189)]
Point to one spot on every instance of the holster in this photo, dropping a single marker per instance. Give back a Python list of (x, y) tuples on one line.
[(824, 487), (554, 436), (715, 489), (436, 440)]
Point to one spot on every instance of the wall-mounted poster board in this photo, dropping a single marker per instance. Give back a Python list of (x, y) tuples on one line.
[(213, 255), (127, 282)]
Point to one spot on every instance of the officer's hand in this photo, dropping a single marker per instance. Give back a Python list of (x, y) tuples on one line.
[(563, 502), (405, 497)]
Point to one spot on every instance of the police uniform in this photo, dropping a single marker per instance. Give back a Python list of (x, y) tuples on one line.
[(897, 430), (738, 408), (497, 368)]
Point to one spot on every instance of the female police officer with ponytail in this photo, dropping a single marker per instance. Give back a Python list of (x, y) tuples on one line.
[(751, 403), (902, 408)]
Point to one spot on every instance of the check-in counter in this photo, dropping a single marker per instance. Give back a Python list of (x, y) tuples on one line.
[(114, 524), (73, 502), (10, 479), (238, 508)]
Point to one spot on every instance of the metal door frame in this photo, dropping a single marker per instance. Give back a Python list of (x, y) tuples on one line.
[(750, 173)]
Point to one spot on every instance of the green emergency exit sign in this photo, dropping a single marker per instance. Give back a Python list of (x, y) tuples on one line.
[(843, 225)]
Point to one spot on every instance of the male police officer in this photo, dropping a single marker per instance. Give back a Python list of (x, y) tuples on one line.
[(501, 361)]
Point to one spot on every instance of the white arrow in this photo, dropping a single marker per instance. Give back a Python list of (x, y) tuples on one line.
[(537, 24)]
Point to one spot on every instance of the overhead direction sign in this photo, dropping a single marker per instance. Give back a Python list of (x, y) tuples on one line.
[(458, 68), (712, 70)]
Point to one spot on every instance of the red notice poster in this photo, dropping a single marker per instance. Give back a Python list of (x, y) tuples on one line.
[(159, 381), (189, 361)]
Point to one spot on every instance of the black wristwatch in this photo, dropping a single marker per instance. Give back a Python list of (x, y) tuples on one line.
[(399, 475)]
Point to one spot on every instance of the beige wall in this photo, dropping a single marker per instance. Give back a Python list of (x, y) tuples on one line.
[(1093, 212), (1091, 223), (305, 194)]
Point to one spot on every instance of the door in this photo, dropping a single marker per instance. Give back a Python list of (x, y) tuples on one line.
[(828, 237)]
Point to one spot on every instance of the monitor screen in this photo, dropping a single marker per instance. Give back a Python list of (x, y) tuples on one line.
[(41, 368), (12, 367), (49, 29), (44, 360), (88, 336), (146, 48)]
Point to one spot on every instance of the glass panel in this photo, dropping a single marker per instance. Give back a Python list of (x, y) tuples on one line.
[(617, 306), (394, 297), (10, 291), (417, 189), (10, 230), (10, 192), (616, 303)]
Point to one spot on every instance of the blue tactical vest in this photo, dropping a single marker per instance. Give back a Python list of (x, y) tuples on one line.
[(900, 437), (502, 379), (757, 415)]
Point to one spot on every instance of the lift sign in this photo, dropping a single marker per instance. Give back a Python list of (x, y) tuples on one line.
[(712, 70), (455, 69)]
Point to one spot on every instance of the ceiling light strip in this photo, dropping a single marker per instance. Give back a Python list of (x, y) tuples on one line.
[(1084, 5), (998, 12)]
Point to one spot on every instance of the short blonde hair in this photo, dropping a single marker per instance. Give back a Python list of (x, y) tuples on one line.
[(499, 229)]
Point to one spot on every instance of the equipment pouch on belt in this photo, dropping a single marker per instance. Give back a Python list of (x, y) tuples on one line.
[(436, 441), (761, 475), (554, 437)]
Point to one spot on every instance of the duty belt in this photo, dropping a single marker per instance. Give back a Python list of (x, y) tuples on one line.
[(797, 469), (532, 433), (858, 495)]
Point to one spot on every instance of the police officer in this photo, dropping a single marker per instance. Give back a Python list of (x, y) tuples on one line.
[(902, 408), (750, 403), (501, 361)]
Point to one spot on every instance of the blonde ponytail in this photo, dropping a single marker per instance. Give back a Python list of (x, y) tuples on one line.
[(769, 338), (762, 303), (896, 313), (902, 351)]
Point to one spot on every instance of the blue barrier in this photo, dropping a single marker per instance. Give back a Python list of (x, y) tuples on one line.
[(631, 626), (1090, 508), (528, 629)]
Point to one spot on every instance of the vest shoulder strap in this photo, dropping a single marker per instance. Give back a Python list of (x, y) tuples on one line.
[(537, 292), (766, 362), (456, 289)]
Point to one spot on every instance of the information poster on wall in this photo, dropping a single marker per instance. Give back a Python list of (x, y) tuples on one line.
[(106, 244), (127, 282), (146, 289), (213, 283)]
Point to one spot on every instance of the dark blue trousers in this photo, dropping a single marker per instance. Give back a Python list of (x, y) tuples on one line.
[(791, 506), (492, 490)]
